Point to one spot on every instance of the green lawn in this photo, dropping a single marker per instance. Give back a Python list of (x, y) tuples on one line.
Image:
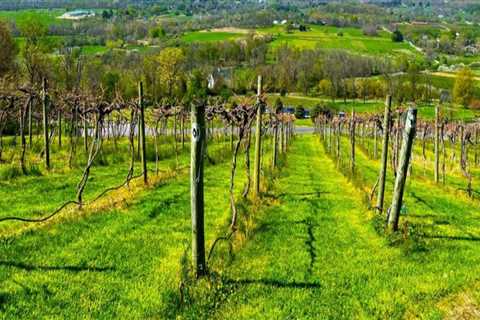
[(327, 37), (210, 36), (46, 16), (317, 255), (311, 242)]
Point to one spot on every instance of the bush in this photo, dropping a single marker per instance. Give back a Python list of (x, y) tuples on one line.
[(300, 112), (397, 36)]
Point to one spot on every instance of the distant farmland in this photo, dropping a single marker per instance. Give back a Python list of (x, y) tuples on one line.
[(318, 36)]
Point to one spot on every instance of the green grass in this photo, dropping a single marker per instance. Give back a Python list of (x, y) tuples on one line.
[(310, 242), (46, 16), (210, 36), (327, 37), (318, 243), (123, 261)]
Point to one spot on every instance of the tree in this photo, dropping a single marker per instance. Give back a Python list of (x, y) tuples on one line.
[(9, 49), (397, 36), (463, 87), (33, 51), (300, 112), (278, 105), (326, 88), (170, 64)]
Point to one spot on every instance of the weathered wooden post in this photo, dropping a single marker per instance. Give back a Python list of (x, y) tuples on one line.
[(383, 168), (45, 122), (196, 187), (275, 147), (85, 133), (232, 136), (437, 144), (142, 132), (375, 133), (404, 161), (352, 142), (275, 141), (59, 119), (258, 142), (30, 122)]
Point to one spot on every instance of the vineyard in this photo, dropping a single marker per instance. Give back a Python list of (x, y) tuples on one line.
[(239, 159), (99, 206)]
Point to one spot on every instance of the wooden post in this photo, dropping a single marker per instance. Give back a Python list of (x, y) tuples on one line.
[(275, 145), (196, 188), (59, 128), (281, 137), (142, 132), (30, 122), (45, 122), (375, 148), (383, 168), (404, 161), (437, 144), (85, 133), (232, 133), (258, 142), (352, 143)]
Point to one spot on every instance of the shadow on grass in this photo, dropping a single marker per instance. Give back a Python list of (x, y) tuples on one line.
[(31, 267), (426, 236), (274, 283)]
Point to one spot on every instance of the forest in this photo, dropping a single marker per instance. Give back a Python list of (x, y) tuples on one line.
[(239, 159)]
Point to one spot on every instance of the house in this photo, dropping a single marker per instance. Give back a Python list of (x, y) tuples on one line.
[(77, 15)]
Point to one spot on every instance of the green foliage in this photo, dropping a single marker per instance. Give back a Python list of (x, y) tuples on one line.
[(463, 88), (397, 36), (300, 112), (9, 50)]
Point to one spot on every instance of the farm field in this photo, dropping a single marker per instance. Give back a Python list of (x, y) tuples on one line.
[(325, 37), (198, 160), (210, 36), (45, 16), (115, 253)]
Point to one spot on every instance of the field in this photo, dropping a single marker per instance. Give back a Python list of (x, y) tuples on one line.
[(108, 262), (47, 17), (158, 181), (339, 38), (210, 36), (325, 37)]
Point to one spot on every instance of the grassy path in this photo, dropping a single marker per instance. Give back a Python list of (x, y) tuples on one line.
[(317, 256)]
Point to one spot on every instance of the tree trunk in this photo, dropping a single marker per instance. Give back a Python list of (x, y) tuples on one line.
[(404, 161)]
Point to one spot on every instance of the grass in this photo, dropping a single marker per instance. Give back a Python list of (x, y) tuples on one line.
[(46, 16), (325, 37), (318, 243), (82, 265), (210, 36), (328, 37), (311, 242)]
